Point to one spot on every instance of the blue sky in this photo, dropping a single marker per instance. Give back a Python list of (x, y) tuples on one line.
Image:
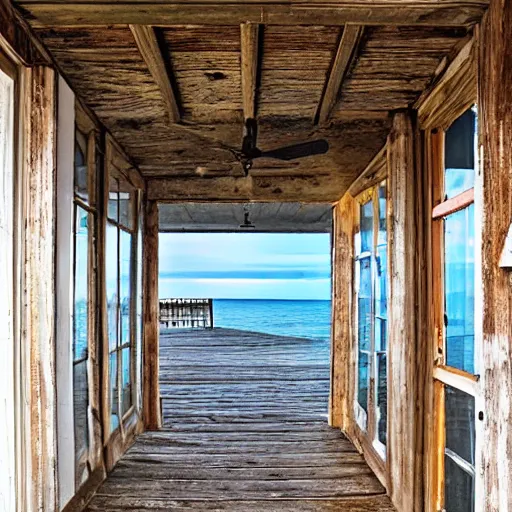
[(245, 266)]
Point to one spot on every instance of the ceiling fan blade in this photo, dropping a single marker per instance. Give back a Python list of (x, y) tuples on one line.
[(314, 147)]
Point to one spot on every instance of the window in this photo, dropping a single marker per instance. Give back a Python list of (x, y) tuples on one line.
[(371, 278), (84, 292), (121, 303), (454, 301)]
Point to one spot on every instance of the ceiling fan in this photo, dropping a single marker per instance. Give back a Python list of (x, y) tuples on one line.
[(250, 151)]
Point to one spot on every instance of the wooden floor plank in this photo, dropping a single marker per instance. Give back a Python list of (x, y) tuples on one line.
[(245, 429)]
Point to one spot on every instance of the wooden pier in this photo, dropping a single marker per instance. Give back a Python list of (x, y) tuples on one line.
[(186, 313), (245, 429)]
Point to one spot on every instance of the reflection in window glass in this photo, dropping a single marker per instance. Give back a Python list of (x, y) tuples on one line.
[(459, 488), (80, 316), (125, 284), (126, 380), (381, 315), (81, 171), (459, 243), (113, 199), (114, 393), (364, 329), (460, 423), (126, 209), (80, 343), (80, 406), (111, 282), (460, 154), (366, 226)]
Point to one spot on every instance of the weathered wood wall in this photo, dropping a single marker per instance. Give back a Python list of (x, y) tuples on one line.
[(495, 107), (37, 315), (402, 472)]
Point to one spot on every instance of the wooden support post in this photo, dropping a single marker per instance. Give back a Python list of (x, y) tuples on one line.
[(249, 61), (342, 388), (402, 383), (151, 388), (347, 49), (495, 122), (37, 315)]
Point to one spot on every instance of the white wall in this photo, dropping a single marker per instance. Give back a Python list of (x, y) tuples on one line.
[(7, 358), (64, 303)]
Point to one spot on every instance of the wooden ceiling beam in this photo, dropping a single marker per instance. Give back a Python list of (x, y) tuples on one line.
[(448, 13), (249, 44), (147, 43), (347, 50), (305, 189)]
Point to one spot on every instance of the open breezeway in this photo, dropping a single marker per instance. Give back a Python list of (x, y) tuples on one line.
[(245, 429)]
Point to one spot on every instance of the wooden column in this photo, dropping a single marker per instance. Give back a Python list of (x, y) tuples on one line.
[(495, 121), (342, 377), (151, 388), (37, 294), (402, 384)]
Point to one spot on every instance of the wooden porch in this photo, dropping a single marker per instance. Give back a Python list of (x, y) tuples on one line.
[(245, 429)]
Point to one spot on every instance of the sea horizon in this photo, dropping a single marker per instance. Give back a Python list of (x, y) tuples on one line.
[(300, 318)]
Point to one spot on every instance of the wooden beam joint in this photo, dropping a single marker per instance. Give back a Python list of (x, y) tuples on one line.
[(347, 50), (147, 43)]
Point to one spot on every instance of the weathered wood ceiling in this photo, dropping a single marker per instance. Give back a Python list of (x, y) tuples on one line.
[(174, 82), (228, 217)]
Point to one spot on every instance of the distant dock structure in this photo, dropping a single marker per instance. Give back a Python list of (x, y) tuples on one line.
[(186, 313)]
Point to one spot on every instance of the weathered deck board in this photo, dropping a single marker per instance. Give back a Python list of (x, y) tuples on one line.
[(245, 429)]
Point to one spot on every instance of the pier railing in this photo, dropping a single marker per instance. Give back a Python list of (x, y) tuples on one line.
[(186, 313)]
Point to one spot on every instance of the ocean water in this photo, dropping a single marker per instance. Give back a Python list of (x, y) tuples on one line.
[(297, 318)]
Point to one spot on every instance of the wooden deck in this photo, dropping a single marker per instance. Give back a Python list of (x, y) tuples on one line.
[(245, 430)]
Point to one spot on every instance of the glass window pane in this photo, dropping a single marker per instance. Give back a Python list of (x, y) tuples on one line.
[(126, 379), (364, 308), (81, 171), (114, 394), (113, 199), (81, 402), (381, 322), (111, 263), (138, 372), (459, 244), (81, 428), (80, 317), (363, 379), (460, 154), (125, 284), (459, 488), (382, 397), (460, 423), (366, 226), (364, 329), (125, 206)]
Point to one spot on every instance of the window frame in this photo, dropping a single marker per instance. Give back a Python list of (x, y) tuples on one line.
[(442, 374), (366, 423), (88, 131), (124, 418)]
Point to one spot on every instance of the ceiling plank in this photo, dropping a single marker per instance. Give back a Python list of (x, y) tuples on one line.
[(449, 13), (249, 33), (147, 43), (347, 49)]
